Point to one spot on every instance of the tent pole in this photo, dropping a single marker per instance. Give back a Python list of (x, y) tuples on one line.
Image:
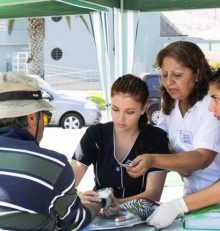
[(122, 28)]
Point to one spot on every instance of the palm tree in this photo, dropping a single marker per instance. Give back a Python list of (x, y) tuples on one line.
[(36, 35)]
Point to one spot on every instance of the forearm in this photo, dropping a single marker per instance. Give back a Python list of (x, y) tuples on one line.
[(145, 194), (206, 197), (94, 208), (123, 200), (183, 161), (79, 170)]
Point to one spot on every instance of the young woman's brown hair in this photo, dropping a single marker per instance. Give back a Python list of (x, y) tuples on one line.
[(136, 88)]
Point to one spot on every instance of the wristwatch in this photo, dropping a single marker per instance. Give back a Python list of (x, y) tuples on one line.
[(105, 195)]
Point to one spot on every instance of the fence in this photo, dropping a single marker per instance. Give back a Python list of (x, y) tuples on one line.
[(73, 73)]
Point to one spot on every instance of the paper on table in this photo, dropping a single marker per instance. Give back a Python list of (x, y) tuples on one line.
[(101, 223), (204, 219)]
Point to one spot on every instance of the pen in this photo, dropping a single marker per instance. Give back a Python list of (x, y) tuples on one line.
[(125, 217)]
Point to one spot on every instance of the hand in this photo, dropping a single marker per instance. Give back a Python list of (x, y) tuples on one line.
[(114, 207), (140, 165), (165, 214), (89, 196)]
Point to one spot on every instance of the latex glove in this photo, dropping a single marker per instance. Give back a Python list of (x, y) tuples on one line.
[(166, 213)]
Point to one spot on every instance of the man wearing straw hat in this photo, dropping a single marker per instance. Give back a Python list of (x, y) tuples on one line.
[(37, 189)]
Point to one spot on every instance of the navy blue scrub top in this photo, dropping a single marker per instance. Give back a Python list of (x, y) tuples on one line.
[(97, 147)]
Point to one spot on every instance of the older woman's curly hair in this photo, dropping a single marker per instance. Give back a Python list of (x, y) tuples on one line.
[(191, 56)]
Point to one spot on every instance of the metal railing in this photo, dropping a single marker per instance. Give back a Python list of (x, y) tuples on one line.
[(19, 62), (71, 73)]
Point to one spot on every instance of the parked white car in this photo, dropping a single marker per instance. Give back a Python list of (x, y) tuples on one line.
[(71, 112)]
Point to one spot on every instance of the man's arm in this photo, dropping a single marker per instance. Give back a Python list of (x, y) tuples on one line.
[(94, 208), (66, 205)]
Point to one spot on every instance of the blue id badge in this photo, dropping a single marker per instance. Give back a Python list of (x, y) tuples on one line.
[(186, 137)]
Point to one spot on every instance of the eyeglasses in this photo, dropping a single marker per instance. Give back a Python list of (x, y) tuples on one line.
[(46, 117)]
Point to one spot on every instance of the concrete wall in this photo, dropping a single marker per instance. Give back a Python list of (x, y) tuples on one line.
[(16, 42), (78, 47)]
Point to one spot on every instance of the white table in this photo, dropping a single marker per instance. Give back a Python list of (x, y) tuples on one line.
[(175, 226)]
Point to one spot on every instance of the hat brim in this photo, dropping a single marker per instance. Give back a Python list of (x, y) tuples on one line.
[(17, 108)]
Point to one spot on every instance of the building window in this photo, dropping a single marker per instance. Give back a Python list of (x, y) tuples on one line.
[(56, 19), (56, 53)]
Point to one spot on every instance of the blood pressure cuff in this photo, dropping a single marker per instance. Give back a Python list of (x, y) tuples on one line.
[(142, 207)]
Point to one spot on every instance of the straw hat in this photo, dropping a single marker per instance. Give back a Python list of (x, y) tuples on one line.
[(20, 95)]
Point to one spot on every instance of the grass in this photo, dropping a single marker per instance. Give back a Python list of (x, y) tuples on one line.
[(98, 98)]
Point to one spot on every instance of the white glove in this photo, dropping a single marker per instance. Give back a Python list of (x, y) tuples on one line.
[(165, 214)]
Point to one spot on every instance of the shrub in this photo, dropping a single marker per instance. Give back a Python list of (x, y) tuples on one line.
[(99, 99)]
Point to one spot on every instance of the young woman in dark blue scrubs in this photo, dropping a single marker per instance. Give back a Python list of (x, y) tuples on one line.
[(108, 146)]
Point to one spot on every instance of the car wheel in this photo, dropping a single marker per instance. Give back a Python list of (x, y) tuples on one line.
[(154, 114), (71, 121)]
